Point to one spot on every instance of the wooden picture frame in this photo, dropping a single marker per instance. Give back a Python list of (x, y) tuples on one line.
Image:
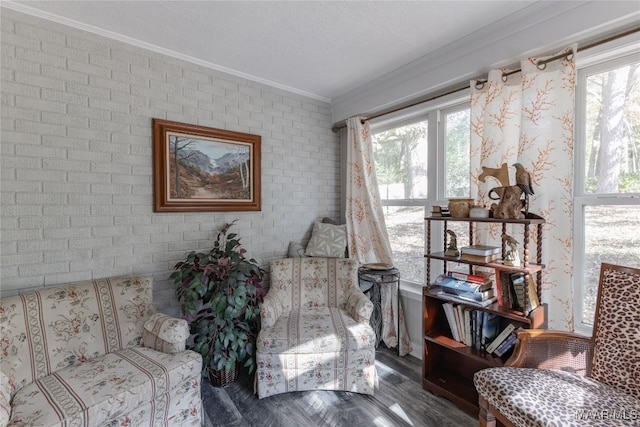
[(217, 170)]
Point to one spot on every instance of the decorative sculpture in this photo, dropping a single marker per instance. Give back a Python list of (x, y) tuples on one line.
[(501, 174), (523, 180), (511, 256), (452, 247), (510, 204)]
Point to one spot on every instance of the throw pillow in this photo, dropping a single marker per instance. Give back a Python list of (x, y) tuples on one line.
[(296, 250), (327, 240)]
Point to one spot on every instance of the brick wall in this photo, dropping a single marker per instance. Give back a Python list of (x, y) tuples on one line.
[(76, 183)]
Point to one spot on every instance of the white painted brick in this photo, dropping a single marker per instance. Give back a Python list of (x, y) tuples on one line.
[(64, 233), (40, 104), (40, 175), (68, 255), (39, 33), (88, 221), (85, 111), (64, 51), (65, 210), (89, 69), (40, 58), (90, 243), (89, 177), (41, 245), (63, 278), (91, 264), (110, 210), (31, 269)]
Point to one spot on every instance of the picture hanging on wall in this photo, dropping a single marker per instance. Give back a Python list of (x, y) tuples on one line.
[(201, 169)]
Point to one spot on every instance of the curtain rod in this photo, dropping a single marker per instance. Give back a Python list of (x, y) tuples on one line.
[(541, 63)]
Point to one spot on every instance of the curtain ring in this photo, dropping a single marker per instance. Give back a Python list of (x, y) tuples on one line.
[(569, 56), (479, 84), (541, 65), (504, 77)]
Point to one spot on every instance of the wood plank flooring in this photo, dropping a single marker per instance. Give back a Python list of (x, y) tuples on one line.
[(400, 401)]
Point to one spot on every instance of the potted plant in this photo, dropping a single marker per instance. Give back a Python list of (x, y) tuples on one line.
[(219, 292)]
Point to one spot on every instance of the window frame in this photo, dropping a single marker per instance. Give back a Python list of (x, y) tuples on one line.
[(432, 113), (589, 66)]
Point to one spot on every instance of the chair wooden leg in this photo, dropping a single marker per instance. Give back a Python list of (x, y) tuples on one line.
[(485, 417)]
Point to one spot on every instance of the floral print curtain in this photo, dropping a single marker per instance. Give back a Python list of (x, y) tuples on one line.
[(528, 118), (367, 235)]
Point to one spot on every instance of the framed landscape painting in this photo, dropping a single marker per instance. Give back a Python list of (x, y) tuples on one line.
[(201, 169)]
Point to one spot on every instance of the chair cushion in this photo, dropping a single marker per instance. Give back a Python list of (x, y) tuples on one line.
[(316, 330), (542, 397), (104, 388)]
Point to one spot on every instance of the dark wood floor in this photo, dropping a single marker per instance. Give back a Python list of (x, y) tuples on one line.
[(400, 401)]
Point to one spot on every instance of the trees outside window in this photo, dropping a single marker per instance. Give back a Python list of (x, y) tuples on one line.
[(607, 185)]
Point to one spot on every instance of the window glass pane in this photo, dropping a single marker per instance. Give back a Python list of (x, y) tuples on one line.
[(612, 163), (456, 140), (401, 162), (612, 234), (405, 225)]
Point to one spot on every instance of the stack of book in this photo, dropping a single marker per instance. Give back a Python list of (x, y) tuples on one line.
[(474, 328), (468, 288), (504, 342), (480, 253)]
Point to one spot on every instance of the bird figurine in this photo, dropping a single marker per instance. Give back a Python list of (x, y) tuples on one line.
[(523, 180), (511, 256)]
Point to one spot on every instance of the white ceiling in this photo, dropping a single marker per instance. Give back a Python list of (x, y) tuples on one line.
[(321, 49)]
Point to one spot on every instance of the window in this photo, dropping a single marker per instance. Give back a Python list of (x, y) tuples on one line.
[(457, 162), (401, 168), (405, 154), (607, 176)]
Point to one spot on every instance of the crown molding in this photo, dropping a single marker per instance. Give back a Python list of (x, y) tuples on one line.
[(20, 7)]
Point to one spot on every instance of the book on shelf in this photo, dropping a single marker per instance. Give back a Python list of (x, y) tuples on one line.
[(478, 320), (444, 280), (457, 310), (468, 338), (457, 299), (518, 283), (474, 278), (525, 291), (479, 258), (448, 312), (490, 328), (473, 296), (501, 337), (482, 250), (532, 292), (506, 345)]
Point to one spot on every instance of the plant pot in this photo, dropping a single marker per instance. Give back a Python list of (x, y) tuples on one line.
[(222, 377)]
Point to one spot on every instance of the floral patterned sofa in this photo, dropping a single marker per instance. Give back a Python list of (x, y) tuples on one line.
[(315, 329), (95, 353)]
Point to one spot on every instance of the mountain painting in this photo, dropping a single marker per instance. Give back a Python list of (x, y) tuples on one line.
[(208, 168)]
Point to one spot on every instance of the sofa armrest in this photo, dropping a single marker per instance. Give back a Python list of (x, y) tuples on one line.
[(5, 400), (271, 308), (544, 349), (359, 306), (165, 333)]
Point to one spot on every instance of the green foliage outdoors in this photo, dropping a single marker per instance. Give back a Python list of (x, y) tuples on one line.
[(219, 292)]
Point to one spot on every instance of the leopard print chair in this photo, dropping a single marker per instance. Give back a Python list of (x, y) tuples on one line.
[(562, 379)]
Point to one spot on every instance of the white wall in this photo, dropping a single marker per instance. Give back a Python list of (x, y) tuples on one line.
[(76, 186)]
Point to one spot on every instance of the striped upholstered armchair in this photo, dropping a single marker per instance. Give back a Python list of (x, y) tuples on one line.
[(315, 329)]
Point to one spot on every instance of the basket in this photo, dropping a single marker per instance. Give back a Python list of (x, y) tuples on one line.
[(459, 207), (222, 377)]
